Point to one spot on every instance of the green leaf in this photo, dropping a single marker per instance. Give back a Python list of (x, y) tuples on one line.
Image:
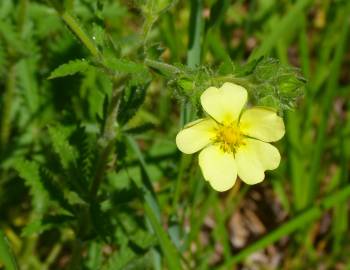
[(29, 171), (42, 186), (132, 98), (70, 68), (61, 146), (28, 83)]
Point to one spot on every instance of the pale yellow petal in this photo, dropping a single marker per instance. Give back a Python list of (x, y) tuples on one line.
[(224, 104), (254, 158), (196, 135), (218, 167), (262, 123)]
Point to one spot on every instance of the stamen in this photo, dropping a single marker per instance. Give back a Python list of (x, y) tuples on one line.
[(229, 137)]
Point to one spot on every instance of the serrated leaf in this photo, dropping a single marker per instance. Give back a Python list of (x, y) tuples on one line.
[(28, 84), (133, 97), (87, 152), (29, 171), (55, 189), (61, 146), (70, 68)]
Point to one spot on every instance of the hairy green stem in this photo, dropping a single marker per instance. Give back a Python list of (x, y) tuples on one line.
[(81, 35), (76, 29), (166, 69), (106, 141)]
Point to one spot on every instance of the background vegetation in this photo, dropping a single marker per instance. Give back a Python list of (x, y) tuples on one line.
[(92, 96)]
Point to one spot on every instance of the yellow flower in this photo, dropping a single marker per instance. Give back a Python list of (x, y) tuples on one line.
[(232, 142)]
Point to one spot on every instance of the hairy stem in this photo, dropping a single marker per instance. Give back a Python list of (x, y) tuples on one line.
[(80, 34), (107, 139)]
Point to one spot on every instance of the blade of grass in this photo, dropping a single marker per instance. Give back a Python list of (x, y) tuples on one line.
[(6, 255), (195, 34)]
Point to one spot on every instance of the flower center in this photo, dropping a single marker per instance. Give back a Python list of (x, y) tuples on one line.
[(229, 137)]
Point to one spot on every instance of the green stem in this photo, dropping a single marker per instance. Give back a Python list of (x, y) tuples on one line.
[(81, 35), (106, 141), (298, 222), (166, 69)]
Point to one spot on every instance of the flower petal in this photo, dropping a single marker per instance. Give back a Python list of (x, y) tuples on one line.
[(196, 135), (224, 104), (218, 167), (262, 123), (254, 158)]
